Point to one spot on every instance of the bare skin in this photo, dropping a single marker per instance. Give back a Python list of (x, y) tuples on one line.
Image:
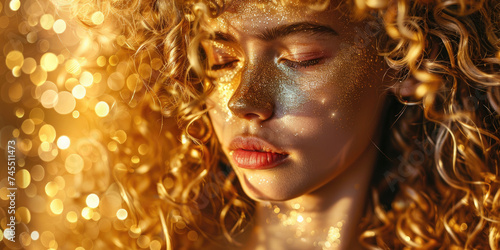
[(300, 82)]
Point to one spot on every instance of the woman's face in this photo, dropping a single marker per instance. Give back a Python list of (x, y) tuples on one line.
[(298, 95)]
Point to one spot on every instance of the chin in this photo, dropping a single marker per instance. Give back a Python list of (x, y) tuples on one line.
[(272, 192)]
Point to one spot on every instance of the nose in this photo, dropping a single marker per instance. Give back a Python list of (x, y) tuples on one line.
[(254, 97)]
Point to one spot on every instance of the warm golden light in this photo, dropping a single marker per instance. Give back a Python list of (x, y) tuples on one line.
[(29, 66), (86, 79), (46, 21), (59, 26), (49, 98), (97, 18), (13, 59), (19, 112), (116, 81), (47, 133), (74, 164), (35, 235), (121, 214), (51, 189), (102, 109), (72, 66), (56, 206), (15, 5), (39, 76), (23, 178), (72, 216), (113, 60), (101, 61), (28, 126), (63, 142), (23, 215), (37, 172), (49, 62), (87, 213), (92, 200), (79, 91), (65, 103)]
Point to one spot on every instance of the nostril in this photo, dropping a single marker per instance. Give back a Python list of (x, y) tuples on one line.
[(252, 116), (250, 108)]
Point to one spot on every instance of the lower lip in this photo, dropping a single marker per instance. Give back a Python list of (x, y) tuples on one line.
[(257, 160)]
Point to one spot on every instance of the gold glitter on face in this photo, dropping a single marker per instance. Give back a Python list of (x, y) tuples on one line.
[(299, 80)]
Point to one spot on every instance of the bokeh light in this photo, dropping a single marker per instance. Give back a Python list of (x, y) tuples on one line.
[(49, 62), (121, 214), (59, 26), (74, 164), (57, 206), (63, 142), (98, 18), (15, 5), (102, 109), (71, 100), (79, 91), (92, 200)]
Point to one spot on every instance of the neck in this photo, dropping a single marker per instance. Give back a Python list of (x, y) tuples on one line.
[(327, 217)]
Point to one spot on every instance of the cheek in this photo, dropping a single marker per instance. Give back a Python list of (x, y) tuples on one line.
[(346, 89)]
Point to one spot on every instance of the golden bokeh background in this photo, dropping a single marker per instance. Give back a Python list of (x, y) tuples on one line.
[(68, 95)]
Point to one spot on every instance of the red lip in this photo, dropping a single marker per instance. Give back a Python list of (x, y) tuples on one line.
[(254, 153)]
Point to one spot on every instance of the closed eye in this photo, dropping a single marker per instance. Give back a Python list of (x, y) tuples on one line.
[(301, 64), (227, 65)]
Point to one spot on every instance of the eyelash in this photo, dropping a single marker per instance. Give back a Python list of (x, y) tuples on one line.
[(301, 64), (224, 66), (289, 63)]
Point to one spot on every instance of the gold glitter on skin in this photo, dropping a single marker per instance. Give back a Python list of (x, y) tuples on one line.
[(312, 95)]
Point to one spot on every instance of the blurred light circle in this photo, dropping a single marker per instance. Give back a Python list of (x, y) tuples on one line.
[(74, 164), (39, 76), (49, 98), (102, 109), (63, 142), (29, 65), (79, 91), (97, 18), (72, 66), (121, 214), (49, 62), (59, 26), (35, 235), (23, 178), (92, 200), (15, 5), (56, 206), (47, 133), (66, 103), (15, 92), (116, 81), (86, 79), (14, 58), (47, 21)]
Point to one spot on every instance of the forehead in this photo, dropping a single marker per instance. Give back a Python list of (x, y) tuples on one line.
[(254, 16)]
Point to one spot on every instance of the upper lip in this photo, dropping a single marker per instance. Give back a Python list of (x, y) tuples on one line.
[(253, 143)]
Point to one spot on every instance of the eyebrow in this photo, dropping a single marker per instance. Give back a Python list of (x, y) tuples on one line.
[(283, 31)]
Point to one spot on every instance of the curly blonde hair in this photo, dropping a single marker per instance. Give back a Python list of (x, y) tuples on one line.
[(438, 187)]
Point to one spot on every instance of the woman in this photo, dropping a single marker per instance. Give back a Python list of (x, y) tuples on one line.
[(323, 125)]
